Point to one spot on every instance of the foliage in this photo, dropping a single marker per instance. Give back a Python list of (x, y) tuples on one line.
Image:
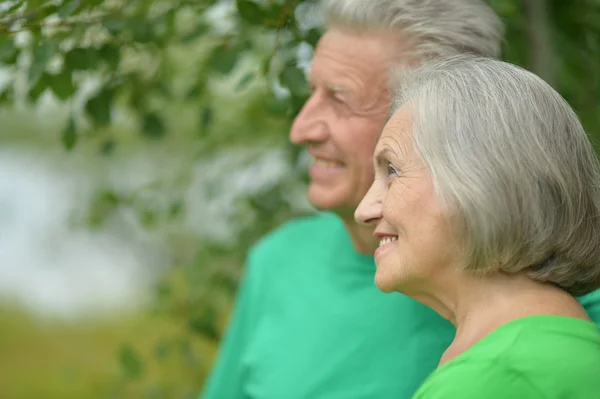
[(127, 47), (235, 67), (572, 57)]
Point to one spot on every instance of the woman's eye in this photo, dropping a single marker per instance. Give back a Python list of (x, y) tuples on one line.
[(391, 171)]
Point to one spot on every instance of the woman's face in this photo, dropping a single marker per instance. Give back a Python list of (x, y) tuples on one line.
[(415, 241)]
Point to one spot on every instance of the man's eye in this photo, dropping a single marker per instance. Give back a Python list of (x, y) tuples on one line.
[(338, 99), (391, 171)]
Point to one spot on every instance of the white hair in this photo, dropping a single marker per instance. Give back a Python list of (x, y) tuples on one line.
[(510, 158), (434, 28)]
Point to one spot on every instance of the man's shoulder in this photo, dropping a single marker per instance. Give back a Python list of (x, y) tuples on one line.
[(591, 303), (298, 233)]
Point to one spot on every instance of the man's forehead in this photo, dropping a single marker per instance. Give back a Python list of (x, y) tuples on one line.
[(353, 40), (336, 79), (365, 54)]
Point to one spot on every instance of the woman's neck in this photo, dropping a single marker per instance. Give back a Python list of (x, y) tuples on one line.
[(479, 305)]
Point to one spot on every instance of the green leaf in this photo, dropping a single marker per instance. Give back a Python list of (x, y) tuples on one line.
[(62, 84), (142, 30), (39, 88), (266, 66), (68, 7), (108, 147), (274, 12), (204, 325), (34, 5), (99, 107), (176, 209), (224, 58), (198, 31), (81, 59), (114, 26), (7, 96), (244, 81), (164, 24), (277, 107), (8, 51), (206, 119), (47, 10), (103, 204), (313, 36), (69, 135), (110, 54), (161, 87), (294, 79), (13, 7), (130, 362), (153, 126), (138, 96), (296, 104), (42, 54), (194, 91), (250, 11)]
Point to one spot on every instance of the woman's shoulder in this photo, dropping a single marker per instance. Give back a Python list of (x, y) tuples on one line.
[(544, 356), (550, 337), (539, 346), (476, 378)]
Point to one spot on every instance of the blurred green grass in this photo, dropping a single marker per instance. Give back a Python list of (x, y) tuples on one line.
[(51, 358)]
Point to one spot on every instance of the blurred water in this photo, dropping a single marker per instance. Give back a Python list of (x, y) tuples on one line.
[(55, 267), (52, 266)]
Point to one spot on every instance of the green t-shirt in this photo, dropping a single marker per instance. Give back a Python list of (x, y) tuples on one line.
[(309, 323), (541, 357)]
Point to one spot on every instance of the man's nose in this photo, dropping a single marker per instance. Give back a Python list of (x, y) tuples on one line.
[(310, 126)]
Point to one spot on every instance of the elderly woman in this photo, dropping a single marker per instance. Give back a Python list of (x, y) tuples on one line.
[(487, 203)]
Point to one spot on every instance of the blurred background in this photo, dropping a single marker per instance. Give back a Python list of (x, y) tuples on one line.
[(143, 149)]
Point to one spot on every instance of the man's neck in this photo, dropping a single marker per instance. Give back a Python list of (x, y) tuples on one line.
[(361, 235)]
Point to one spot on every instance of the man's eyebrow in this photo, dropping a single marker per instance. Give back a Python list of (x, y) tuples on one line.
[(337, 88)]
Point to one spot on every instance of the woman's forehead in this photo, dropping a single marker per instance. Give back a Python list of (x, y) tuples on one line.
[(398, 129)]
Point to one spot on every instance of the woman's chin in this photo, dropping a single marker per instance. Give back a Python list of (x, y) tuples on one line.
[(384, 283)]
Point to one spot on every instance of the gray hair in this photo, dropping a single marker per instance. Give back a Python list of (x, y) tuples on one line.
[(509, 158), (434, 28)]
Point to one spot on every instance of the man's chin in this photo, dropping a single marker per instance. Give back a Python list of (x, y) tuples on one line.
[(327, 199)]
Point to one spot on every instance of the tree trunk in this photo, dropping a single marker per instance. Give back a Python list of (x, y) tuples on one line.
[(540, 40)]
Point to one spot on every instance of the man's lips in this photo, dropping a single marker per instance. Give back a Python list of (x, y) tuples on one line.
[(326, 163)]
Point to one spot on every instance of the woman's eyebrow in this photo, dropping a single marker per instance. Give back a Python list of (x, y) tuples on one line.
[(382, 158)]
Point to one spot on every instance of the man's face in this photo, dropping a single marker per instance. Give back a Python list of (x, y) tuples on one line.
[(341, 121)]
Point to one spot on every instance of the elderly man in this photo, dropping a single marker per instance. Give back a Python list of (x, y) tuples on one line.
[(309, 322)]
